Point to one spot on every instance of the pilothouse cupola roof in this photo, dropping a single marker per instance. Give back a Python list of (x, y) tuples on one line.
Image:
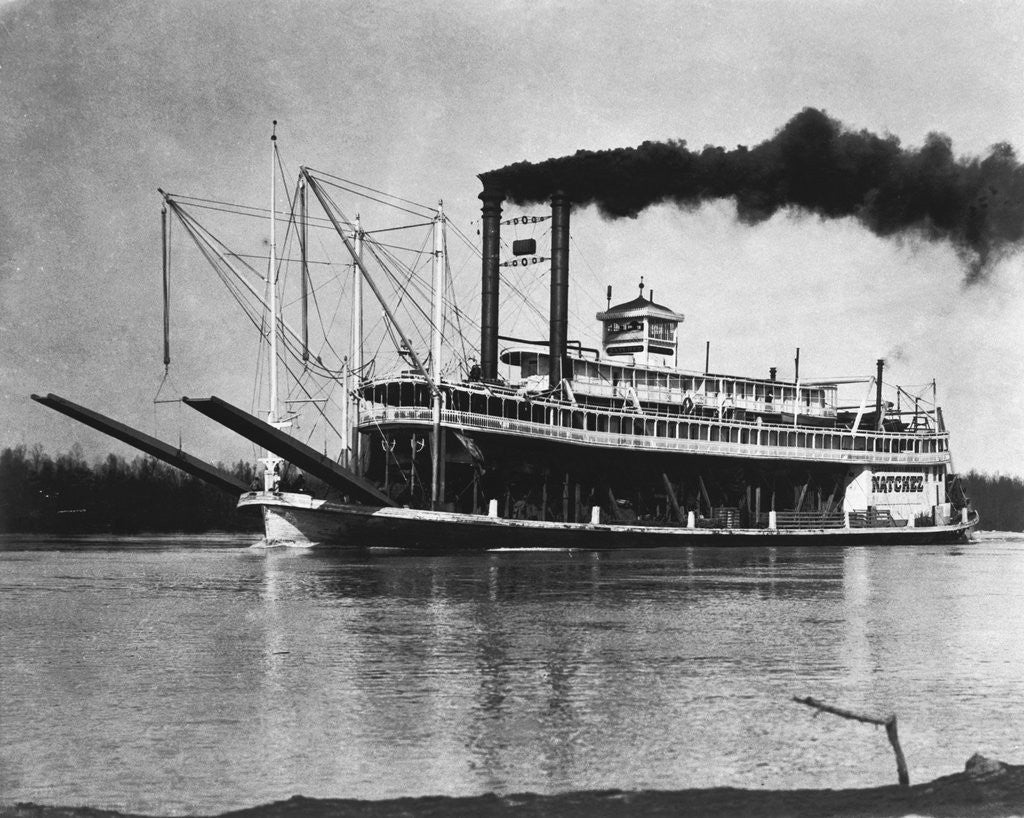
[(640, 307)]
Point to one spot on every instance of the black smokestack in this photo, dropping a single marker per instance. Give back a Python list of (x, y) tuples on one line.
[(814, 164), (559, 317), (491, 255)]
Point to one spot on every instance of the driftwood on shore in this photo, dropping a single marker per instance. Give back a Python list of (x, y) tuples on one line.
[(888, 722)]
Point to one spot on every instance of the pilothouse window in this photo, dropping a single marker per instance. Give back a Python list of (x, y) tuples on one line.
[(615, 327), (662, 330)]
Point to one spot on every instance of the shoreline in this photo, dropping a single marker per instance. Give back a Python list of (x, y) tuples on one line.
[(985, 789)]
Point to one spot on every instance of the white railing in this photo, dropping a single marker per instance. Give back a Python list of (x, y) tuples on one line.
[(708, 400), (471, 421)]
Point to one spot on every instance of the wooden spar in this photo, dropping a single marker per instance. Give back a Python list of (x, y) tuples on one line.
[(272, 280), (672, 499), (283, 445), (354, 438), (800, 499), (888, 722), (346, 422), (303, 243), (166, 263), (437, 319), (150, 445)]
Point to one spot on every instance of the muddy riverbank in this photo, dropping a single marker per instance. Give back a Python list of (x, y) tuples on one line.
[(985, 788)]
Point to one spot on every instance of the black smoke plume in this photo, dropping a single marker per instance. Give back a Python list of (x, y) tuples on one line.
[(814, 164)]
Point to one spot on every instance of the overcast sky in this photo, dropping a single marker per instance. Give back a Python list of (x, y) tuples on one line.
[(103, 102)]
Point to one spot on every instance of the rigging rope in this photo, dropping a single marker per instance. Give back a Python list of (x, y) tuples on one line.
[(325, 176)]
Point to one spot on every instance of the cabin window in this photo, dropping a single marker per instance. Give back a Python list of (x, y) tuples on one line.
[(662, 330)]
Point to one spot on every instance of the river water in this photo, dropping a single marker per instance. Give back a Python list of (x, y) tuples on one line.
[(196, 675)]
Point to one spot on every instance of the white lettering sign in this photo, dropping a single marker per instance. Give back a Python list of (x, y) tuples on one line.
[(897, 483)]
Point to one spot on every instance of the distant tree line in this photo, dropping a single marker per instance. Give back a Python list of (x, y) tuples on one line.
[(66, 494), (39, 493), (999, 500)]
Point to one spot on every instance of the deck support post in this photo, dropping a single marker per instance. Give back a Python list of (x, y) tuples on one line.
[(492, 507), (704, 494), (672, 498), (565, 498), (691, 520), (772, 521), (595, 515), (846, 519), (800, 499), (615, 505)]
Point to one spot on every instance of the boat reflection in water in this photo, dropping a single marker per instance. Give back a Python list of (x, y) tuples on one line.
[(255, 675), (563, 670)]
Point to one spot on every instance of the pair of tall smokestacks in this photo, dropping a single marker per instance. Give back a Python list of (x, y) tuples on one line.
[(558, 365)]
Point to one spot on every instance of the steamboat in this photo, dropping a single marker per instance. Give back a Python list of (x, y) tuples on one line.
[(549, 444)]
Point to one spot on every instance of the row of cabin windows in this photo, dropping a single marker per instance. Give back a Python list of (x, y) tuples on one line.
[(608, 422), (728, 433)]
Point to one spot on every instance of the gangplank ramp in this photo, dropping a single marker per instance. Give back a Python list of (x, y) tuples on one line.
[(292, 450), (150, 445)]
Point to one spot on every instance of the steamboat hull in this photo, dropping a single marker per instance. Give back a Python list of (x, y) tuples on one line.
[(298, 520)]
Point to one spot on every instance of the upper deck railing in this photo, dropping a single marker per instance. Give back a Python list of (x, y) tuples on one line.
[(507, 413), (651, 383)]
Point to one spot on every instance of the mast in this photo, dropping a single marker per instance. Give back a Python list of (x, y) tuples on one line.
[(165, 229), (356, 351), (272, 282), (437, 317), (303, 241), (271, 462)]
